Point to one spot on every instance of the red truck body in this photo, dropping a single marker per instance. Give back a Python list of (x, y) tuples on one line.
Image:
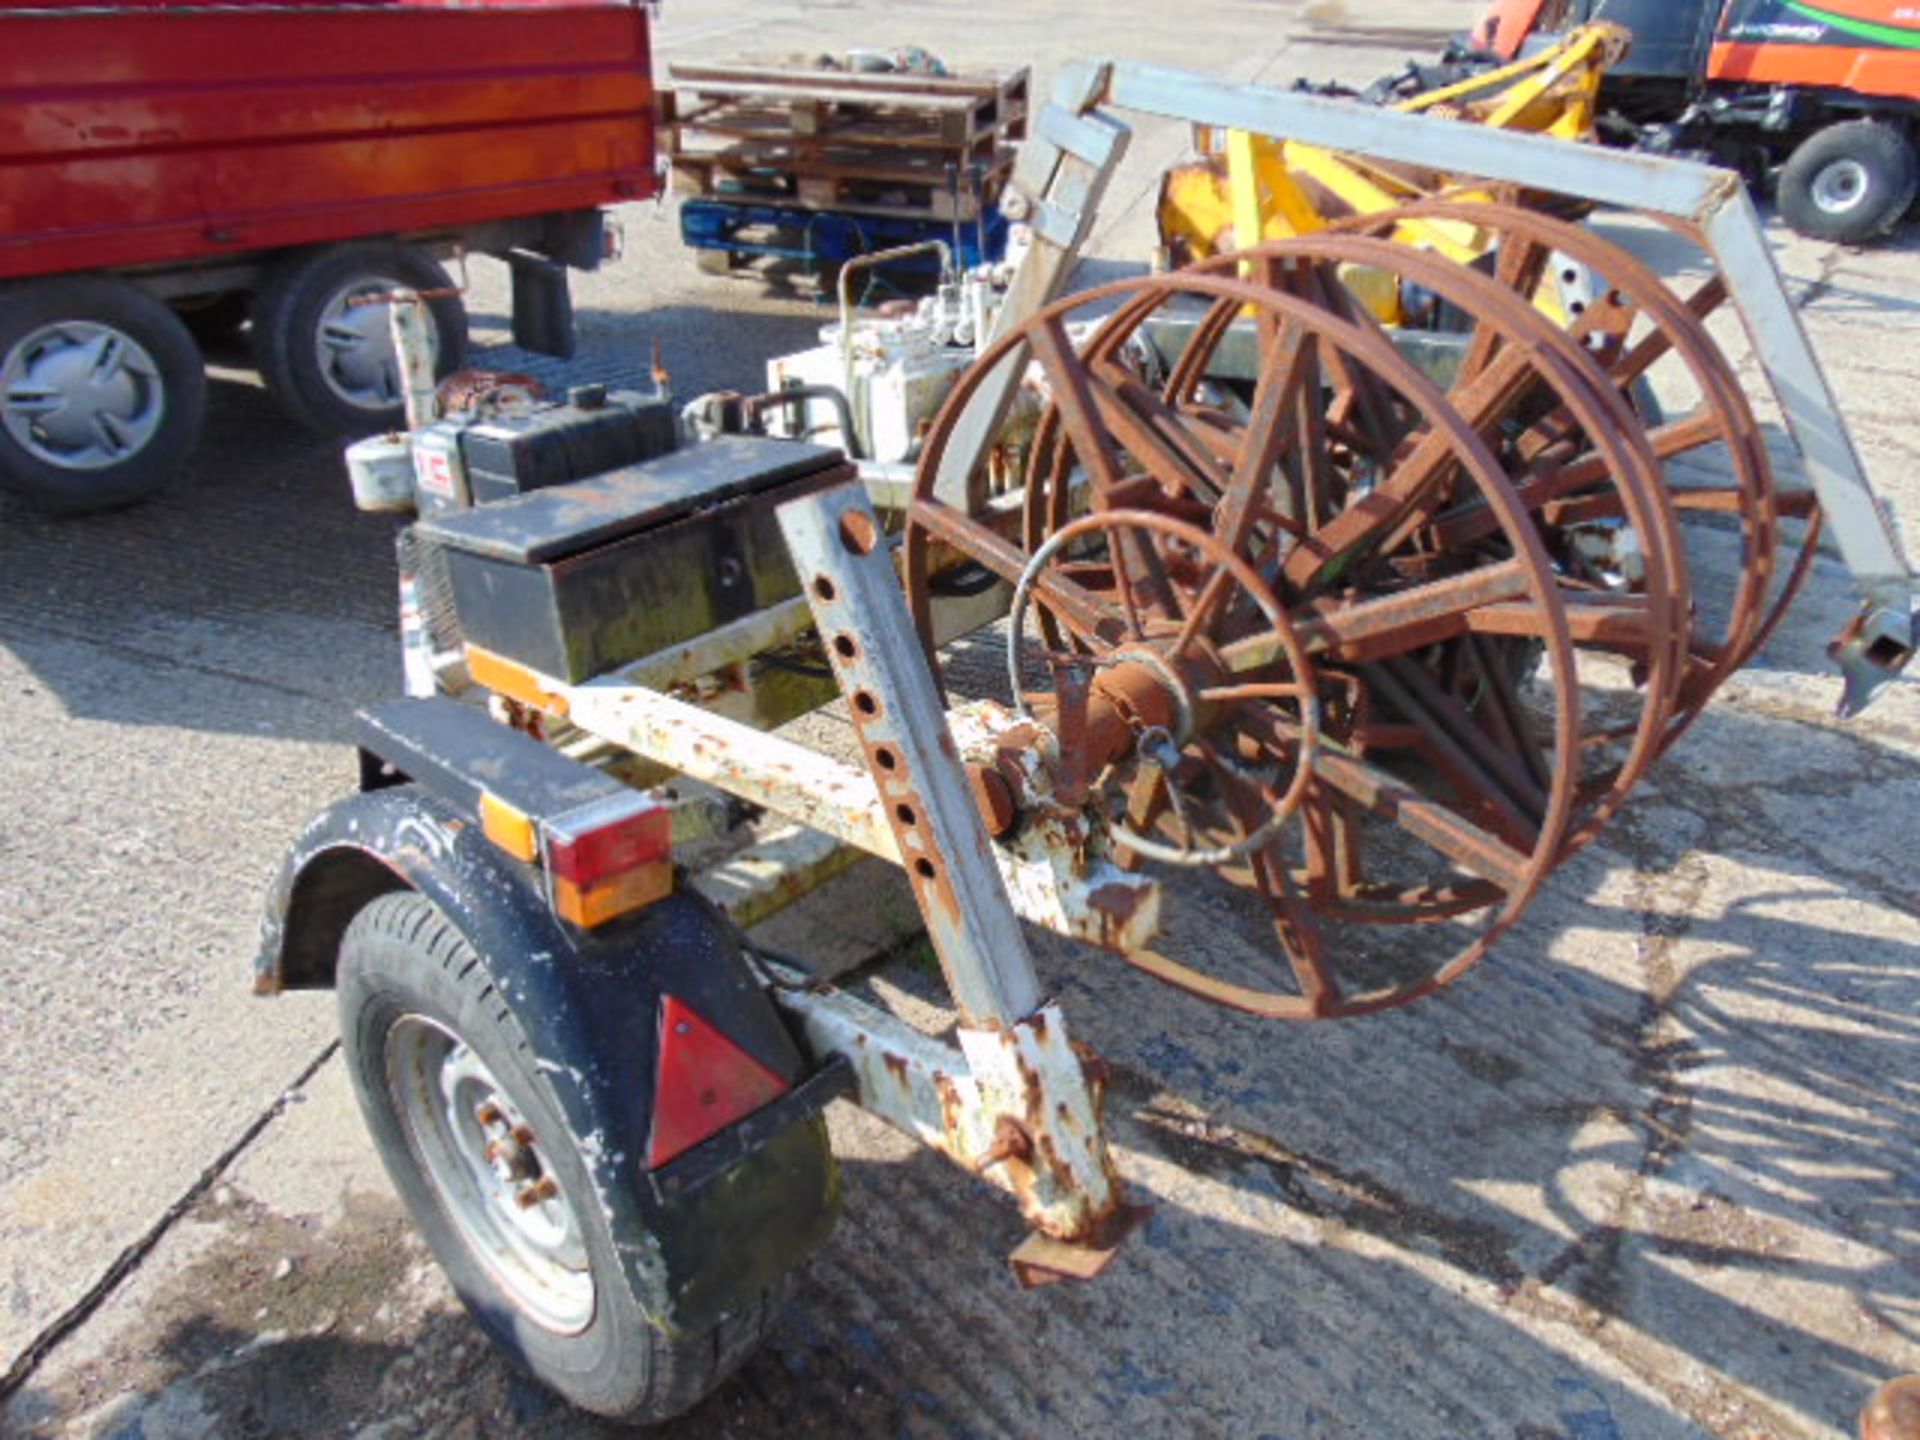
[(151, 133), (175, 175)]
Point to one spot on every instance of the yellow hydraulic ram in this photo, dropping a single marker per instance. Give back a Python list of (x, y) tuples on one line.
[(1248, 188)]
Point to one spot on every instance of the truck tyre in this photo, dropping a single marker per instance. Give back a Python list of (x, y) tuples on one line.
[(1849, 182), (467, 1130), (330, 362), (102, 393)]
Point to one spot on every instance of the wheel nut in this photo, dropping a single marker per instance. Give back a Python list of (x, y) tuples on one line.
[(995, 798), (538, 1193)]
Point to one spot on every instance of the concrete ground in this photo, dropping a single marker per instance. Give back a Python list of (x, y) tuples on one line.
[(1651, 1172)]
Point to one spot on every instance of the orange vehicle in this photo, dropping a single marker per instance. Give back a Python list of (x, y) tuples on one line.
[(1818, 100)]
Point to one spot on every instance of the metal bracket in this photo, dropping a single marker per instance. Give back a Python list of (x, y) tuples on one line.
[(1014, 1106), (1057, 186)]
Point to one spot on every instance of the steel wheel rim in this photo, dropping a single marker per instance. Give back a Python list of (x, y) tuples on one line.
[(533, 1248), (1841, 188), (81, 395), (353, 345)]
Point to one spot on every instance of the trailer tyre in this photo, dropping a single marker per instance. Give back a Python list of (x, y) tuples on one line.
[(330, 361), (102, 393), (472, 1140), (1849, 182)]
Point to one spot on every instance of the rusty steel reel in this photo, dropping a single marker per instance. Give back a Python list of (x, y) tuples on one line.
[(1378, 632)]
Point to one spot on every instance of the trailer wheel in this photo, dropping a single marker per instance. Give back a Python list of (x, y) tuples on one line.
[(1849, 182), (494, 1179), (102, 393), (328, 359)]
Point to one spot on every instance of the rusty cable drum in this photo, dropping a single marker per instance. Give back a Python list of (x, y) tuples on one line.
[(1526, 375), (1444, 680), (1631, 292)]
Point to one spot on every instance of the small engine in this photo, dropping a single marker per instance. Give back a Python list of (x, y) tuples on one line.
[(501, 450)]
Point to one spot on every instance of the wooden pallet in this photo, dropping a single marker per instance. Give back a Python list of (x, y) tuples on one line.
[(910, 184), (841, 107)]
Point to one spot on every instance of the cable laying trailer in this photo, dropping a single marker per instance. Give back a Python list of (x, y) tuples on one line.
[(1375, 630)]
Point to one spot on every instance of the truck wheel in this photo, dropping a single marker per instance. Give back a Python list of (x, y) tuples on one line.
[(494, 1178), (101, 393), (330, 361), (1849, 182)]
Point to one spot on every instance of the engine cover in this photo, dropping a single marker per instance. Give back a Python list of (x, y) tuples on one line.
[(575, 580)]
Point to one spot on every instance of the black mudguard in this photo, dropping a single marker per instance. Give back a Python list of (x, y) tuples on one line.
[(701, 1237)]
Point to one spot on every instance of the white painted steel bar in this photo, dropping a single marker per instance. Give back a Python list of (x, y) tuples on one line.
[(847, 573), (789, 779)]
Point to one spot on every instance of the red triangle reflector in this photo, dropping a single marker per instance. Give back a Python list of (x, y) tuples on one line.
[(703, 1084)]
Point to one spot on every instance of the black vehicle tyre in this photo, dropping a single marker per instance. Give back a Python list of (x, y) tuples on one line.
[(430, 1046), (1849, 182), (102, 393), (329, 361)]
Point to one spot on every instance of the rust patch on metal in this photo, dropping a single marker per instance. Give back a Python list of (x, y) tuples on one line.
[(995, 798), (476, 391), (1894, 1411), (1042, 1260), (1116, 905), (1011, 1141), (953, 1109)]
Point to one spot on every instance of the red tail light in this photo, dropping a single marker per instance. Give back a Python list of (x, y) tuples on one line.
[(608, 858), (704, 1083)]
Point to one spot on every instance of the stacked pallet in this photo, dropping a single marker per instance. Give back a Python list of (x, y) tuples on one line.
[(899, 145)]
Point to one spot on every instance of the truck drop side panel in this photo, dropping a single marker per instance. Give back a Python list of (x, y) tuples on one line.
[(145, 134)]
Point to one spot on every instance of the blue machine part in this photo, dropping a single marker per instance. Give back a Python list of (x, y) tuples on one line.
[(823, 238)]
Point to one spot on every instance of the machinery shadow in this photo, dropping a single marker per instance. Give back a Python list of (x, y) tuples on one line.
[(1648, 1172), (1592, 1207), (1714, 1182)]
